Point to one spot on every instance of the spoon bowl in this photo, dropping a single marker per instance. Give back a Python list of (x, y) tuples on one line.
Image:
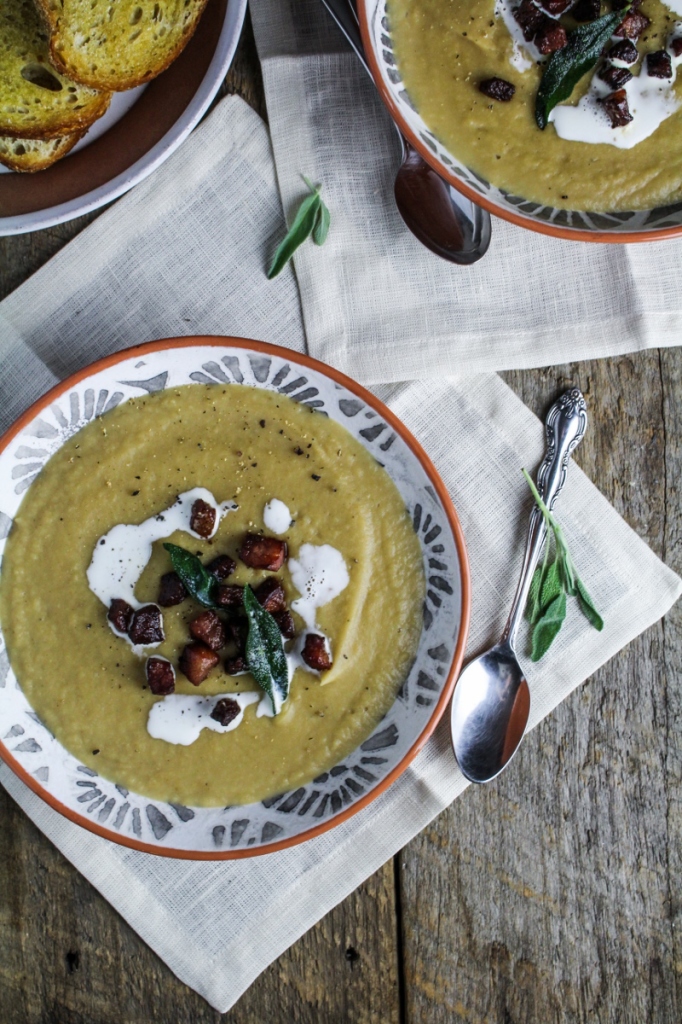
[(490, 711)]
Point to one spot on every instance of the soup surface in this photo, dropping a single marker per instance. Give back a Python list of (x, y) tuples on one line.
[(445, 48), (246, 446)]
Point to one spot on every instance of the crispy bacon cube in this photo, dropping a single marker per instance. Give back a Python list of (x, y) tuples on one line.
[(234, 666), (497, 89), (616, 106), (632, 26), (229, 596), (614, 77), (259, 552), (208, 628), (160, 676), (315, 653), (555, 7), (285, 621), (529, 17), (625, 50), (238, 630), (271, 595), (171, 590), (202, 518), (147, 626), (586, 10), (120, 615), (225, 710), (221, 567), (659, 64), (196, 661), (550, 36)]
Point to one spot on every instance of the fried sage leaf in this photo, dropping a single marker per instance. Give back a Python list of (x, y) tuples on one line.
[(312, 218), (196, 578), (566, 67), (265, 655)]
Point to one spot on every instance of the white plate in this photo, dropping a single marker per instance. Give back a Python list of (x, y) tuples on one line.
[(121, 103)]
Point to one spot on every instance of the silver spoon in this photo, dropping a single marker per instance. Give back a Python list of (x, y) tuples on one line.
[(491, 703), (443, 220)]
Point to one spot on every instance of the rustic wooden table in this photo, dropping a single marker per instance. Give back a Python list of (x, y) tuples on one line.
[(552, 895)]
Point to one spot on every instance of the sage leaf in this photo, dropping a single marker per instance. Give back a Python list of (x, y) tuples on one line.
[(312, 218), (322, 223), (265, 655), (548, 626), (566, 67), (552, 586), (197, 579), (587, 606)]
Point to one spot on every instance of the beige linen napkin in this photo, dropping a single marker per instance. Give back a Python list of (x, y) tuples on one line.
[(375, 303), (184, 253)]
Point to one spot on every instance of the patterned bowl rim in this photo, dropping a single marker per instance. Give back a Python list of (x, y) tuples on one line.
[(453, 522), (532, 224)]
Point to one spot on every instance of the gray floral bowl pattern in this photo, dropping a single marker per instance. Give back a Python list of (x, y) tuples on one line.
[(579, 225), (222, 832)]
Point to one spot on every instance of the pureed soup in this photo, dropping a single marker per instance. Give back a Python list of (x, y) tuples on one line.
[(614, 144), (277, 519)]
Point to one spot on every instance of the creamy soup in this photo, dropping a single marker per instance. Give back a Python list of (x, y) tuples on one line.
[(446, 48), (353, 577)]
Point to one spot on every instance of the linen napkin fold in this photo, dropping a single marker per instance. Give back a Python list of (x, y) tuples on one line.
[(184, 253), (375, 302)]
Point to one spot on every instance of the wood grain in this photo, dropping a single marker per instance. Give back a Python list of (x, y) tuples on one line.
[(552, 895)]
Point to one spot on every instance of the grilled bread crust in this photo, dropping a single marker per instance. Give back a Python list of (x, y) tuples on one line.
[(35, 154), (36, 101), (118, 44)]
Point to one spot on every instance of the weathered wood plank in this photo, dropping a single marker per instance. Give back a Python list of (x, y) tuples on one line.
[(549, 895)]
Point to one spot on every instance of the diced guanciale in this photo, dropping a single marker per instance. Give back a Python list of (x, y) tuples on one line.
[(529, 17), (614, 77), (555, 7), (625, 50), (221, 567), (659, 64), (238, 630), (208, 628), (497, 89), (259, 552), (285, 621), (233, 666), (146, 627), (196, 661), (229, 596), (315, 653), (616, 106), (550, 36), (171, 590), (202, 518), (120, 615), (160, 676), (632, 26), (271, 595), (586, 10), (225, 711)]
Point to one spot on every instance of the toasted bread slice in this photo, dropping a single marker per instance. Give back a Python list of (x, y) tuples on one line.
[(35, 154), (35, 100), (118, 45)]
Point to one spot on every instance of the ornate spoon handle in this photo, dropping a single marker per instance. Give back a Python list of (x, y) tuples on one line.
[(565, 428)]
